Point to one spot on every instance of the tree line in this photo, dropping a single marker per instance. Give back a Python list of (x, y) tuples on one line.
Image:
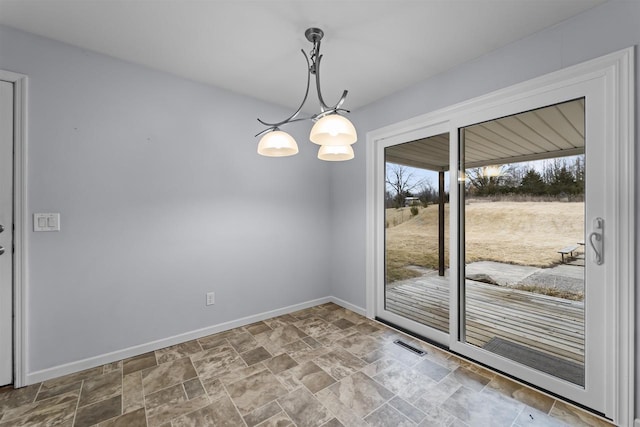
[(560, 177), (556, 177)]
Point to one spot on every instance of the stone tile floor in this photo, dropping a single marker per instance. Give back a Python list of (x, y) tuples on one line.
[(322, 366)]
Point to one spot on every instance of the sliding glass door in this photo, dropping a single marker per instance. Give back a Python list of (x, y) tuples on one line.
[(522, 236), (416, 262), (502, 260), (530, 232), (415, 291)]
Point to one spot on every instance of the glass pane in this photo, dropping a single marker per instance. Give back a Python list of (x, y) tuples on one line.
[(522, 181), (416, 208)]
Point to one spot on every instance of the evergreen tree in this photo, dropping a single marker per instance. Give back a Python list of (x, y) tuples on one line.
[(532, 183), (562, 181)]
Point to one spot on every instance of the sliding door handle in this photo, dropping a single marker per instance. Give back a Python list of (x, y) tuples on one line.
[(596, 240)]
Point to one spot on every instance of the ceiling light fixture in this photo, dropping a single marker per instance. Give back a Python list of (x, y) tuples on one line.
[(332, 131)]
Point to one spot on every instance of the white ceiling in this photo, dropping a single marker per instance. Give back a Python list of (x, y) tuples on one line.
[(371, 48)]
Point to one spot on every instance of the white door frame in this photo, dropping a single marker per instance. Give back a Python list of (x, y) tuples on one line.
[(20, 221), (617, 72)]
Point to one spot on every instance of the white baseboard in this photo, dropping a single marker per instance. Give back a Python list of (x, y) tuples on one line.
[(344, 304), (92, 362)]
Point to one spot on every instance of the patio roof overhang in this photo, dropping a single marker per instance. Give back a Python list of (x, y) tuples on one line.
[(554, 131)]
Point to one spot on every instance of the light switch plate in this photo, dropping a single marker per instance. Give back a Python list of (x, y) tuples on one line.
[(46, 222)]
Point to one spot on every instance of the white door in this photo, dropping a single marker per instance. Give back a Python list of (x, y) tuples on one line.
[(549, 328), (6, 232)]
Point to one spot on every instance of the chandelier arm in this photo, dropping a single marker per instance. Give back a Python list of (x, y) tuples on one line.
[(265, 131), (292, 117), (276, 126), (323, 106), (327, 112), (341, 101)]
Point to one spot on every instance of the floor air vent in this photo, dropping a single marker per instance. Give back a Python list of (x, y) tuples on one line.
[(410, 348)]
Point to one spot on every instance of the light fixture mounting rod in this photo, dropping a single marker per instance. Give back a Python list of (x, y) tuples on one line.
[(314, 35)]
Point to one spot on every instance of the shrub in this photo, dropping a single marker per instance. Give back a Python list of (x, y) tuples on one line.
[(414, 210)]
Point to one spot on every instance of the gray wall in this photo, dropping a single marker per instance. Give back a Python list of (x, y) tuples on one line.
[(162, 198), (605, 29)]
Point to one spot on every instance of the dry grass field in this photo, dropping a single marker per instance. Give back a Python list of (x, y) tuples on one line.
[(524, 233)]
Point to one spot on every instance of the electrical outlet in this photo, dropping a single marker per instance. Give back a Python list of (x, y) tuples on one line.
[(210, 298)]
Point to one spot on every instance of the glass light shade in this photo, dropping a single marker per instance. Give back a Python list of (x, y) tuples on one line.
[(277, 144), (333, 129), (335, 153)]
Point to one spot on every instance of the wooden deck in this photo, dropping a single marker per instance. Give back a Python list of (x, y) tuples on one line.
[(551, 325)]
